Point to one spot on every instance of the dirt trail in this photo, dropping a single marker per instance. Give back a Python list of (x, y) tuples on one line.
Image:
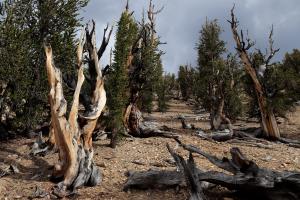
[(149, 153)]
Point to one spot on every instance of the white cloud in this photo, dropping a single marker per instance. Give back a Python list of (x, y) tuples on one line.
[(180, 22)]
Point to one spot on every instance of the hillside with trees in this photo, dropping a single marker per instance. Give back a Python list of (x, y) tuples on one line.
[(87, 113)]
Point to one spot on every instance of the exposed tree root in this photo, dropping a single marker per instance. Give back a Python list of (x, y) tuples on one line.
[(88, 174)]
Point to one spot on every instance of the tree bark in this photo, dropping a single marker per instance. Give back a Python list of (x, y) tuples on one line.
[(73, 139), (136, 127)]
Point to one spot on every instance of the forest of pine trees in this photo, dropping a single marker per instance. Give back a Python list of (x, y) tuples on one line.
[(68, 119)]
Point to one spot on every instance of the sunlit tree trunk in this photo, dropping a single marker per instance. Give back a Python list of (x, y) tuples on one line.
[(73, 139)]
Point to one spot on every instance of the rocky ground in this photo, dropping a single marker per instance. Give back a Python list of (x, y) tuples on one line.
[(32, 174)]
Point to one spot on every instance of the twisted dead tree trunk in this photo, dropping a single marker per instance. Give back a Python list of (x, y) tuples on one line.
[(73, 134), (268, 120)]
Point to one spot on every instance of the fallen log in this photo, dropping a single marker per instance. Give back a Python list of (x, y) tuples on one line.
[(191, 172), (245, 180), (248, 179), (249, 134), (154, 179)]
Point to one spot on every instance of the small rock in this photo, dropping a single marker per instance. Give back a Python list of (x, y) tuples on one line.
[(103, 137), (109, 157), (297, 160), (101, 164), (170, 161), (283, 165), (158, 164), (138, 162), (200, 132), (148, 142), (39, 193), (226, 131), (267, 158)]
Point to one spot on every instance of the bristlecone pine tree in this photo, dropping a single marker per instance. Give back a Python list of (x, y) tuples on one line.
[(136, 63), (163, 92), (138, 77), (186, 76), (73, 134), (24, 26), (117, 83), (151, 60), (216, 77), (275, 87)]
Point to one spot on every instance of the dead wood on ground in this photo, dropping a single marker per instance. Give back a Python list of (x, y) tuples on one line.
[(243, 177)]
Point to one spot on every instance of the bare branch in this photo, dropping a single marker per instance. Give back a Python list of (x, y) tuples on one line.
[(127, 5), (105, 41), (272, 51), (74, 109)]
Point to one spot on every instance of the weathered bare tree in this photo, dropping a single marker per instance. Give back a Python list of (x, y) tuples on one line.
[(268, 120), (73, 135)]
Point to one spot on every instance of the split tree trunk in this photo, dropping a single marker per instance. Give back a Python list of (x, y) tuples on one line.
[(73, 140)]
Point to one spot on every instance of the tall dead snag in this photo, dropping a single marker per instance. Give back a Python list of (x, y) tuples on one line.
[(268, 120), (73, 135)]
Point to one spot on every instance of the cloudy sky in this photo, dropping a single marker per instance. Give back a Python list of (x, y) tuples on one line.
[(181, 20)]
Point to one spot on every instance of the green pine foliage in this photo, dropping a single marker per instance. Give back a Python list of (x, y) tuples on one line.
[(233, 87), (167, 89), (153, 68), (24, 27), (280, 81), (149, 65), (216, 77), (186, 76), (118, 80), (162, 92), (210, 49)]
